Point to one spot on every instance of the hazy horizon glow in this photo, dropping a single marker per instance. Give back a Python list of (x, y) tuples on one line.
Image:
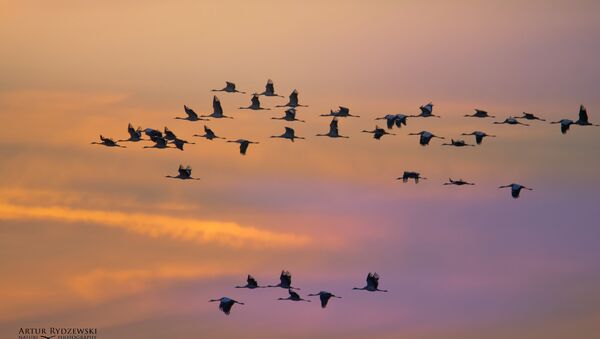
[(93, 236)]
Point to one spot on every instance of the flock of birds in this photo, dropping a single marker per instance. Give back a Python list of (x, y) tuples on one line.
[(168, 139), (285, 281)]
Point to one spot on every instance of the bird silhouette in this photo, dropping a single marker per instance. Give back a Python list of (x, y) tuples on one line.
[(251, 283), (457, 143), (270, 90), (150, 132), (288, 134), (285, 281), (372, 283), (290, 115), (342, 112), (426, 111), (217, 110), (565, 124), (411, 175), (394, 119), (479, 114), (159, 142), (185, 173), (458, 182), (324, 296), (425, 137), (333, 130), (255, 104), (135, 134), (378, 132), (191, 115), (293, 102), (208, 134), (515, 189), (243, 144), (583, 118), (510, 121), (229, 88), (169, 135), (479, 136), (293, 296), (180, 142), (225, 304), (109, 142), (529, 116)]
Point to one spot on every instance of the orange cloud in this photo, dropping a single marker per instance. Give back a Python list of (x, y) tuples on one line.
[(156, 226)]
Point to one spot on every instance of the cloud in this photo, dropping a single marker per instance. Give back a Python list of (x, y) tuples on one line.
[(158, 226)]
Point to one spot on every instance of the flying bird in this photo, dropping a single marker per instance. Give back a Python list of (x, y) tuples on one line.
[(293, 296), (229, 88), (290, 115), (225, 304), (394, 119), (293, 101), (217, 110), (565, 124), (515, 189), (243, 144), (426, 111), (583, 118), (341, 112), (135, 134), (378, 132), (333, 130), (372, 283), (251, 283), (479, 136), (288, 134), (109, 142), (411, 175), (530, 116), (169, 135), (185, 173), (510, 121), (457, 143), (425, 137), (255, 104), (180, 142), (458, 182), (208, 134), (270, 90), (191, 115), (151, 132), (324, 296), (285, 281), (159, 142), (479, 114)]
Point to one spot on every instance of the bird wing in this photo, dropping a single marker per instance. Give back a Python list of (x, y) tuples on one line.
[(229, 85), (217, 106), (269, 87), (583, 116), (255, 101), (244, 147), (289, 130), (294, 98), (190, 112), (324, 299), (390, 120)]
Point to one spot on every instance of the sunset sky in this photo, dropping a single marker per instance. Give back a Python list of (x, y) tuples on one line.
[(93, 236)]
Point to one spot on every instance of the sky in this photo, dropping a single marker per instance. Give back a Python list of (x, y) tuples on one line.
[(98, 237)]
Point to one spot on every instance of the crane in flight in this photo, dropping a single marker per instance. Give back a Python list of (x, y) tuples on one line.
[(243, 144), (229, 88), (108, 142), (288, 134), (515, 189), (378, 132), (293, 102), (324, 296), (425, 137), (416, 176), (208, 134), (293, 296), (333, 130), (251, 283), (290, 115), (342, 112), (372, 283), (458, 182), (255, 104), (479, 136), (225, 304), (185, 173), (191, 115), (270, 90), (479, 114)]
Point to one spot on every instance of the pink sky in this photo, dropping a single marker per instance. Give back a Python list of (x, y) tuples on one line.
[(98, 237)]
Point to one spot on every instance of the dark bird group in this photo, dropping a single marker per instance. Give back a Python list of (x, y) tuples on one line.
[(285, 282), (168, 139)]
